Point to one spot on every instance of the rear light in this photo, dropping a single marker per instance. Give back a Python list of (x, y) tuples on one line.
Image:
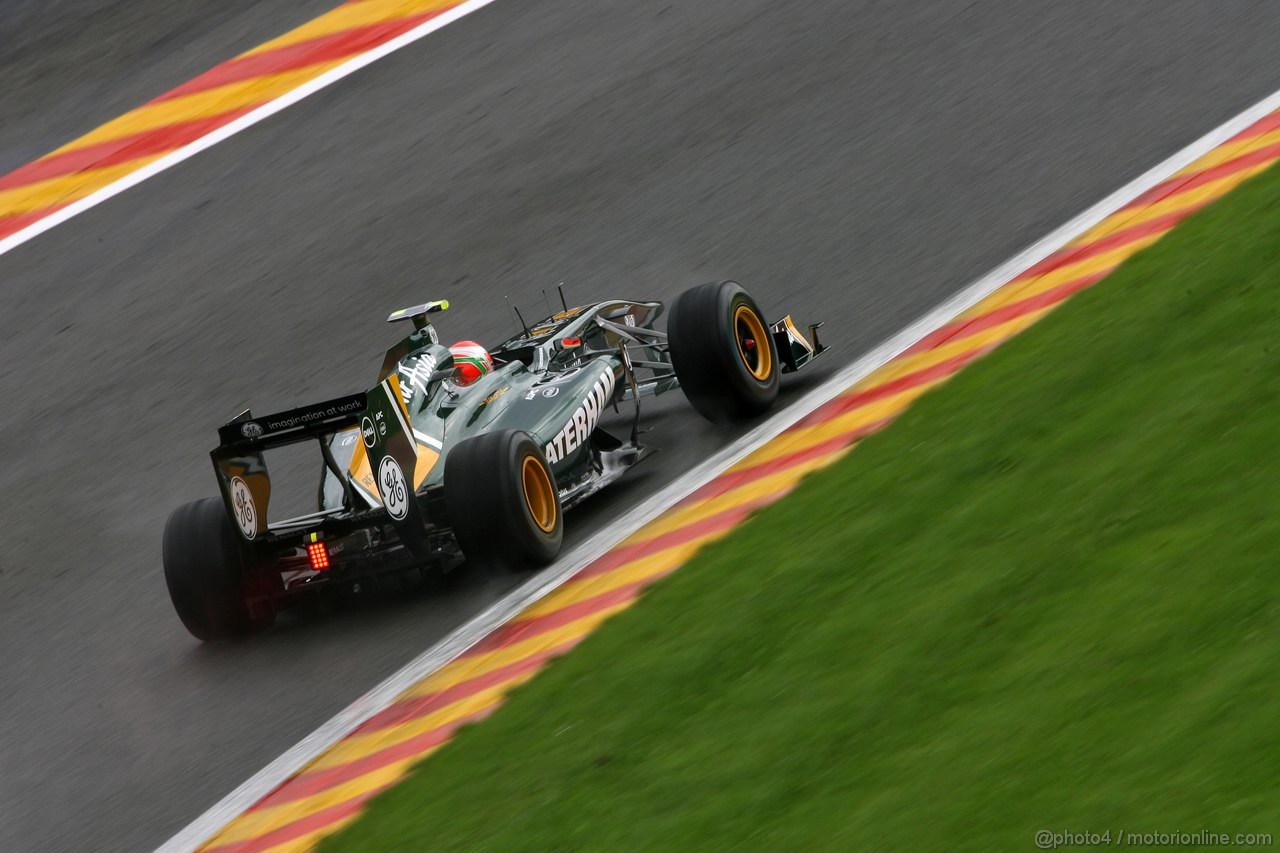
[(570, 343), (318, 553)]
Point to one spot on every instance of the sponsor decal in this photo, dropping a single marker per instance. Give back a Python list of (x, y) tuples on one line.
[(495, 395), (414, 376), (393, 488), (630, 319), (243, 508), (550, 392), (583, 421), (348, 439), (251, 430), (302, 417), (367, 432)]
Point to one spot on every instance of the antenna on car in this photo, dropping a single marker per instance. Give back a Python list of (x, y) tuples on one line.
[(563, 304), (523, 324), (519, 320), (546, 301)]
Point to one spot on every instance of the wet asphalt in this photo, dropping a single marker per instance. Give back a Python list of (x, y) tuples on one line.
[(854, 162)]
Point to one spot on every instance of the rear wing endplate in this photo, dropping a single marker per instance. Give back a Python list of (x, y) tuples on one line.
[(242, 469)]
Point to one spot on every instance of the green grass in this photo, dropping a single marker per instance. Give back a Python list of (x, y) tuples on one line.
[(1046, 598)]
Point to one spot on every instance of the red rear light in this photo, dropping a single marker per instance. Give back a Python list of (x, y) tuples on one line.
[(319, 556), (570, 343)]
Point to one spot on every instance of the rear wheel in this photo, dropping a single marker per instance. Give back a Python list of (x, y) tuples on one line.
[(207, 570), (723, 352), (502, 501)]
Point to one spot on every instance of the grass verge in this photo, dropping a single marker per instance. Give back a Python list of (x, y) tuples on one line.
[(1045, 598)]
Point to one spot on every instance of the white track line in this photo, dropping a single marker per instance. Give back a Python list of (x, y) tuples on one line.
[(245, 122), (505, 609)]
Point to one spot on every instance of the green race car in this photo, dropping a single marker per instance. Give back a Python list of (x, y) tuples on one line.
[(462, 455)]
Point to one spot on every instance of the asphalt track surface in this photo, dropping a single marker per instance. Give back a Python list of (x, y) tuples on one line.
[(849, 161), (70, 65)]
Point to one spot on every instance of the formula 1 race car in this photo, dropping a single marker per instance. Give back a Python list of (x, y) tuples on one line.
[(461, 455)]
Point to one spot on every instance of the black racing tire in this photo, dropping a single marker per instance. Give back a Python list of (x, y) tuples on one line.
[(723, 352), (502, 502), (207, 569)]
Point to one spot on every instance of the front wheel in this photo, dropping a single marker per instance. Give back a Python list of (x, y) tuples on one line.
[(206, 568), (502, 502), (723, 352)]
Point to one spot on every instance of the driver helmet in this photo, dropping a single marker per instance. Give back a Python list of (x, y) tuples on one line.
[(470, 361)]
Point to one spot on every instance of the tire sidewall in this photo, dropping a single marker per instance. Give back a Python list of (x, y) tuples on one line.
[(487, 508), (537, 547), (206, 569), (758, 394), (704, 353)]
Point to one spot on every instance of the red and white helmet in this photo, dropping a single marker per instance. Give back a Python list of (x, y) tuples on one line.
[(470, 361)]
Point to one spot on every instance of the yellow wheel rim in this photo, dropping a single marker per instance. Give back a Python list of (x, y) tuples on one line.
[(753, 343), (539, 494)]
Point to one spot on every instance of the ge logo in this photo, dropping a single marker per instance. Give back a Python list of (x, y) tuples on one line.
[(242, 507), (393, 488)]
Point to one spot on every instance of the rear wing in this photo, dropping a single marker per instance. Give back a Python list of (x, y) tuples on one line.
[(296, 424), (385, 431), (242, 469)]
